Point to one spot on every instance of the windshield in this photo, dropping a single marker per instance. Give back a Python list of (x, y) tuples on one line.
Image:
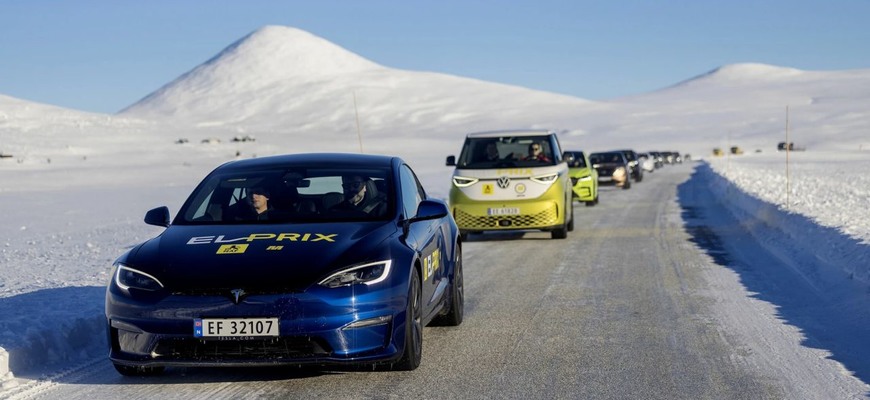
[(282, 194), (578, 160), (508, 151), (602, 158)]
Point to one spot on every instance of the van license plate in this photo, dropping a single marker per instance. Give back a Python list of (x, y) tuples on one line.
[(503, 211)]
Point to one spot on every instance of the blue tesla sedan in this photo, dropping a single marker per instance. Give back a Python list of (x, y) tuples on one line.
[(308, 259)]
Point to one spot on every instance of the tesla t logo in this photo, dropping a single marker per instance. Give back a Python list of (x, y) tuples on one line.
[(238, 294), (504, 182)]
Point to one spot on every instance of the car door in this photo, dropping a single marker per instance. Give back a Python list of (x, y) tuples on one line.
[(426, 238)]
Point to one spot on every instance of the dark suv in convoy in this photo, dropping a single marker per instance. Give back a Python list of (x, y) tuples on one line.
[(612, 167)]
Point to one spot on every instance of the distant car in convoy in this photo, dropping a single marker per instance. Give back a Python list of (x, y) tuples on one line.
[(658, 158), (511, 180), (634, 168), (584, 178), (647, 162), (320, 280), (612, 167)]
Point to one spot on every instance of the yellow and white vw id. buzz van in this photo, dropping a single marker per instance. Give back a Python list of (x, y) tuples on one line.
[(511, 180)]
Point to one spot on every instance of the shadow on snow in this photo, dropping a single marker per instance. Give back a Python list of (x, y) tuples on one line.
[(810, 290)]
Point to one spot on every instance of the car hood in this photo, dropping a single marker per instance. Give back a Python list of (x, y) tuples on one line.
[(265, 258), (580, 172)]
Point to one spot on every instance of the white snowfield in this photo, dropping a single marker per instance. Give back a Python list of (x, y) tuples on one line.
[(76, 185)]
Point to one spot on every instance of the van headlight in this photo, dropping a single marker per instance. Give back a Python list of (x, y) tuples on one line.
[(461, 181), (545, 179)]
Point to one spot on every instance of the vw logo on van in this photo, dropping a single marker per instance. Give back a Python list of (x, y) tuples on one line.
[(504, 182)]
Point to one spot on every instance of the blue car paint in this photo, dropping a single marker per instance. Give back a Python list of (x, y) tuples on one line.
[(283, 282)]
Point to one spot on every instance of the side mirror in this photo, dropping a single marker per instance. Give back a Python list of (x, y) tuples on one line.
[(158, 216), (430, 209), (451, 161)]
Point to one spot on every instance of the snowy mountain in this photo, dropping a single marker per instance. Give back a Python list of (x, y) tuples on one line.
[(284, 85), (280, 79), (745, 105)]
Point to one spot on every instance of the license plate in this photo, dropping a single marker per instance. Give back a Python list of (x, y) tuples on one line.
[(235, 327), (503, 211)]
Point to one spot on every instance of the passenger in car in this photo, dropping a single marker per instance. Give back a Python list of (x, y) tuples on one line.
[(361, 195)]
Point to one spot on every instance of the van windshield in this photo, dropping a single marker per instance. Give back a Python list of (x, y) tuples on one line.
[(509, 151)]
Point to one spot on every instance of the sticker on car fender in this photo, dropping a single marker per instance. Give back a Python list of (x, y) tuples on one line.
[(232, 249), (432, 263)]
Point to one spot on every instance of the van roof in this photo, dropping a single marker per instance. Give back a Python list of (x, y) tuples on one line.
[(516, 132)]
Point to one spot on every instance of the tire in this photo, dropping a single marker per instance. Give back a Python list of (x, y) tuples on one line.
[(593, 202), (456, 308), (560, 233), (412, 353), (571, 223), (130, 370), (463, 236), (627, 184)]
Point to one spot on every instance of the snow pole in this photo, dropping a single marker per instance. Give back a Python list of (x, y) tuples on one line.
[(787, 151), (358, 132)]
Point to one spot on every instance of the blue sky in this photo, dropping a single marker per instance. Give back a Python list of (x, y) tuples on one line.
[(102, 56)]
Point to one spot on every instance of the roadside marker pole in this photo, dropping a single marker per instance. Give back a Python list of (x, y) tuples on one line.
[(787, 151), (358, 132)]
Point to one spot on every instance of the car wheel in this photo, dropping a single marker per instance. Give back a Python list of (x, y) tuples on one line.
[(560, 233), (413, 352), (592, 202), (130, 370), (456, 309), (627, 184), (571, 223), (463, 236)]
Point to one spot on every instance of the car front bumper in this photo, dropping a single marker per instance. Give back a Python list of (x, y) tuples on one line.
[(353, 328)]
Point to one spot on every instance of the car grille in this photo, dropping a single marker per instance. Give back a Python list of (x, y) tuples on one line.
[(280, 348), (548, 217), (606, 171)]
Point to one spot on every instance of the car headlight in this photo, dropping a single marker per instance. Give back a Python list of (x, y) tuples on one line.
[(546, 179), (368, 274), (461, 181), (619, 172), (586, 178), (126, 278)]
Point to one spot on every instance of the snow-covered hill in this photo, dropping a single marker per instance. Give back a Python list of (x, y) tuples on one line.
[(285, 86), (283, 80)]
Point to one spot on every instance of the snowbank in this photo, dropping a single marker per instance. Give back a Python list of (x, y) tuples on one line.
[(779, 229)]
